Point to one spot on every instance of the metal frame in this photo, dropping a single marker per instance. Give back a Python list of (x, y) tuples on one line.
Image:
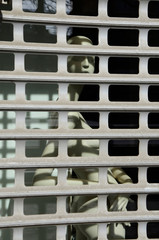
[(104, 106)]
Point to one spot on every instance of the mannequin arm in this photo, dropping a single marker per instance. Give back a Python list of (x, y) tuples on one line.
[(120, 175), (43, 177), (119, 202)]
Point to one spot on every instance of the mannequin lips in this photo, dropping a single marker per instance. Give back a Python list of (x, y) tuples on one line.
[(85, 71)]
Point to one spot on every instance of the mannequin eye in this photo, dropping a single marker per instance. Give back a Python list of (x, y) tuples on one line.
[(80, 58), (76, 58), (91, 60)]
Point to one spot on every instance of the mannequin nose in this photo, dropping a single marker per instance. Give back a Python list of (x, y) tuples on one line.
[(85, 63)]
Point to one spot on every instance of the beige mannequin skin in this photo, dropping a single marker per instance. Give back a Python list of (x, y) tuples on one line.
[(84, 148)]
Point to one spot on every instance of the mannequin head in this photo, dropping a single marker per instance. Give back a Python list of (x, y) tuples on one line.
[(81, 64)]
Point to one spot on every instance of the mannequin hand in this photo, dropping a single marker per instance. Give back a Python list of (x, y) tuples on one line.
[(119, 204)]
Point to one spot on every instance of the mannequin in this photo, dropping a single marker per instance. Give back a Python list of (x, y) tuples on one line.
[(84, 148)]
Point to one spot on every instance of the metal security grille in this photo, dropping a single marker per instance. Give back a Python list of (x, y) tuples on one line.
[(34, 82)]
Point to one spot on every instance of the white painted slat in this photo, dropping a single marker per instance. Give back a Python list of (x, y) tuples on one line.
[(81, 218), (70, 190), (79, 20)]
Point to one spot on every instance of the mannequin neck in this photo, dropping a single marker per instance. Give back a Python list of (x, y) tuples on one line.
[(74, 92)]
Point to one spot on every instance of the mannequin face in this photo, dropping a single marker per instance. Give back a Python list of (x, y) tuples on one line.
[(81, 64)]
